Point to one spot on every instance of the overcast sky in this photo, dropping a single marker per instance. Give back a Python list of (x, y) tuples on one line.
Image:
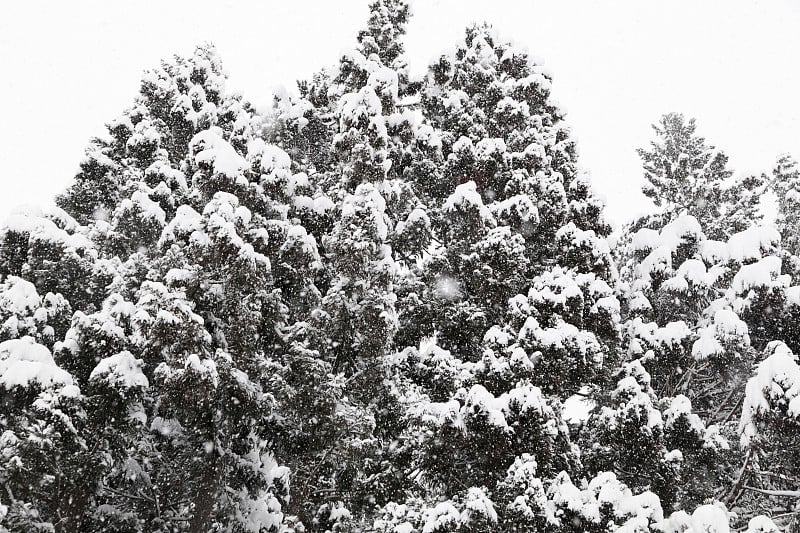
[(66, 68)]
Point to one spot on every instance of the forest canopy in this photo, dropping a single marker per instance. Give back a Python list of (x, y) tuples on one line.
[(391, 303)]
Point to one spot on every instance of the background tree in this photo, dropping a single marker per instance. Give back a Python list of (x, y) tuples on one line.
[(685, 174)]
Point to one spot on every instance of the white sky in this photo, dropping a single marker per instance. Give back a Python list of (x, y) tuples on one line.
[(66, 68)]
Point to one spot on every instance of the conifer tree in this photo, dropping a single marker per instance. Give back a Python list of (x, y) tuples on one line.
[(687, 175), (366, 310), (517, 282), (769, 426), (786, 176)]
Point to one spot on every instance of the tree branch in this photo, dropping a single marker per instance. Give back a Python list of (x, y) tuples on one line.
[(736, 491), (770, 492)]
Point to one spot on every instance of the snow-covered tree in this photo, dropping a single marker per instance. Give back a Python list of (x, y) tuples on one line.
[(786, 176), (770, 427), (44, 471), (687, 175), (374, 306), (511, 309)]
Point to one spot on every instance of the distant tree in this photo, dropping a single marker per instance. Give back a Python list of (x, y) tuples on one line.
[(786, 176), (685, 174)]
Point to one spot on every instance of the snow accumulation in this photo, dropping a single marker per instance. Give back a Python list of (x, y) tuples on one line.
[(221, 216), (762, 524), (538, 80), (203, 367), (144, 134), (291, 108), (709, 519), (122, 121), (705, 519), (519, 207), (481, 404), (271, 158), (753, 243), (339, 512), (185, 222), (39, 225), (209, 148), (24, 363), (318, 204), (297, 236), (726, 325), (477, 505), (360, 107), (633, 401), (384, 81), (765, 272), (442, 517), (511, 107), (417, 216), (680, 407), (172, 177), (147, 206), (671, 335), (299, 180), (367, 199), (455, 100), (490, 148), (465, 196), (634, 512), (19, 296), (120, 371), (694, 271), (679, 231), (480, 401), (776, 382), (707, 345), (584, 238), (714, 251), (427, 135), (462, 146), (646, 239)]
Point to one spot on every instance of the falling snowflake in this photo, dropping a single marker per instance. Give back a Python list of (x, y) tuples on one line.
[(448, 288)]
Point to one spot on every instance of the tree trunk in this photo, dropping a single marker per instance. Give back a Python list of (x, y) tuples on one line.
[(206, 496), (72, 509)]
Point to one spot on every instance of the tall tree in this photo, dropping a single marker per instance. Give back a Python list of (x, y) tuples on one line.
[(368, 309), (685, 174), (786, 176)]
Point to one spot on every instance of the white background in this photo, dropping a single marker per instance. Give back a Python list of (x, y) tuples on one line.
[(68, 67)]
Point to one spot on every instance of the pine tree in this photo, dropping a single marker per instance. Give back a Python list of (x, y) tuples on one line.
[(42, 466), (517, 283), (786, 176), (698, 311), (149, 140), (147, 264), (683, 172), (367, 310), (687, 175), (769, 426)]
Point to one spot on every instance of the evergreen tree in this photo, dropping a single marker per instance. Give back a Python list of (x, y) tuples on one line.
[(368, 308), (517, 283), (769, 426), (786, 176), (42, 450), (687, 175), (682, 171)]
